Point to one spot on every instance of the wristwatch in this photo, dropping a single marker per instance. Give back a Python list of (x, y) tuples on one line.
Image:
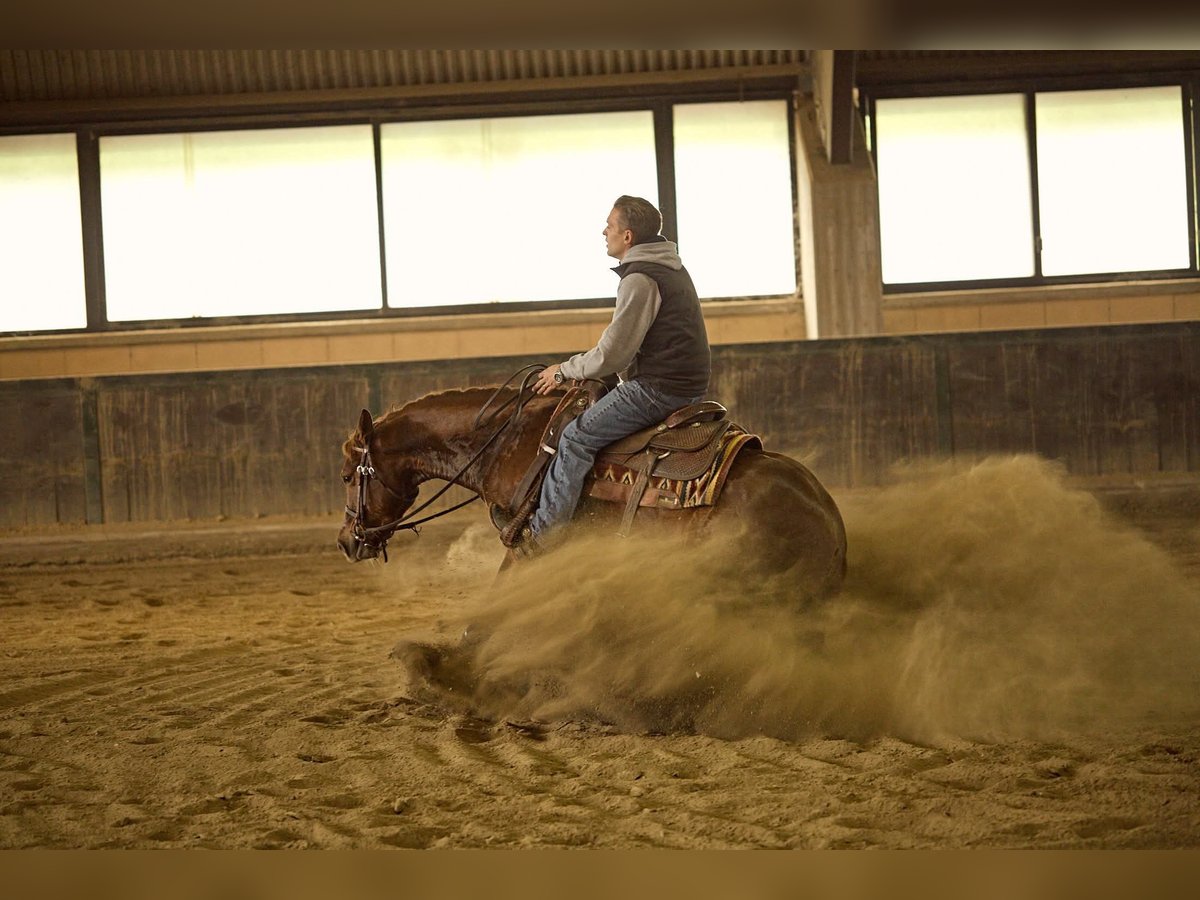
[(558, 377)]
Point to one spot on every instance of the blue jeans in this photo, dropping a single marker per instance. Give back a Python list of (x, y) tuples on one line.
[(629, 407)]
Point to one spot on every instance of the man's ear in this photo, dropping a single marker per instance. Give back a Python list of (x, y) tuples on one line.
[(366, 425)]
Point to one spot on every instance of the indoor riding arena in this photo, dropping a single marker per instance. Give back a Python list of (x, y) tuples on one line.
[(961, 288)]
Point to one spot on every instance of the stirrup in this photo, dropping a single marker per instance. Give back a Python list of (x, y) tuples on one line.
[(500, 516)]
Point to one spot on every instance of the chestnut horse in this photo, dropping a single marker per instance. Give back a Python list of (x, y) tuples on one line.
[(782, 519)]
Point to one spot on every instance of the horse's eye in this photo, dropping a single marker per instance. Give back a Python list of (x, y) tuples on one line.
[(346, 479)]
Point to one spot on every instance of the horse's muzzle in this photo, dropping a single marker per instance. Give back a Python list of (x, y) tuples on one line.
[(354, 549)]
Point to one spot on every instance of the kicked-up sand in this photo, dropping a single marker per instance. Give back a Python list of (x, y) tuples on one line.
[(1013, 663)]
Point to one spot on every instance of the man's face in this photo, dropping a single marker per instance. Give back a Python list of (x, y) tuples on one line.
[(618, 238)]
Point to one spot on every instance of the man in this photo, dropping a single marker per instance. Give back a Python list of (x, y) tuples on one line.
[(657, 344)]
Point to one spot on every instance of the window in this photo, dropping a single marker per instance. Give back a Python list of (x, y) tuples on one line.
[(957, 186), (508, 209), (954, 197), (240, 222), (733, 184), (1112, 174), (41, 238), (394, 217)]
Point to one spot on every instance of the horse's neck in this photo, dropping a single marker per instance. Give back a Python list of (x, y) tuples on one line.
[(436, 437)]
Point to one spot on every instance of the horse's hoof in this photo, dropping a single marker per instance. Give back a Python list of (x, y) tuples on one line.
[(527, 545)]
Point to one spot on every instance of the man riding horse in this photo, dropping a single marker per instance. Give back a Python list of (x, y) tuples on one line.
[(662, 460), (656, 343)]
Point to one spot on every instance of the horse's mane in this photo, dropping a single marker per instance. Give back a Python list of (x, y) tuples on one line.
[(480, 393), (451, 394)]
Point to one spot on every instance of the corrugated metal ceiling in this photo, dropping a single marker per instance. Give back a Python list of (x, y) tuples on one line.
[(37, 75), (31, 77)]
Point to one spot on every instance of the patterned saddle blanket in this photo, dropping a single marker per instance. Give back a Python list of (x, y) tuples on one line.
[(677, 468)]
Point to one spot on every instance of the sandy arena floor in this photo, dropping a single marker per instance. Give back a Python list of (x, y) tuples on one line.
[(1013, 664)]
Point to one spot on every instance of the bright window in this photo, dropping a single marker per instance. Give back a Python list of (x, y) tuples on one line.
[(954, 188), (1112, 178), (240, 222), (733, 192), (283, 220), (508, 209), (41, 239)]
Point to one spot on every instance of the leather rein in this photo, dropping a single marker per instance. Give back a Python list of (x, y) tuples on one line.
[(376, 537)]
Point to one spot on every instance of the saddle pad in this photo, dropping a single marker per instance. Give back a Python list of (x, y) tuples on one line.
[(614, 482)]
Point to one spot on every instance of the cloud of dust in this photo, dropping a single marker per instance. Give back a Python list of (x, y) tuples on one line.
[(1028, 610), (989, 601)]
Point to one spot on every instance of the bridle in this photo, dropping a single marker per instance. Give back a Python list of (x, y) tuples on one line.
[(375, 538)]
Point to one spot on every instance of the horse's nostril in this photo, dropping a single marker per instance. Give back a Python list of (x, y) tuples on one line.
[(349, 548)]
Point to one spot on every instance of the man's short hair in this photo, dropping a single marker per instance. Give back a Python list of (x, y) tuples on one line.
[(639, 216)]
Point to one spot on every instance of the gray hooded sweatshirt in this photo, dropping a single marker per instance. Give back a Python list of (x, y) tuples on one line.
[(638, 304)]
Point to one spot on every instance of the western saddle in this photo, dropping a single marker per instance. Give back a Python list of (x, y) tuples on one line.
[(680, 463)]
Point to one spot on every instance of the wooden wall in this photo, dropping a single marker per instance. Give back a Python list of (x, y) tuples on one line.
[(1119, 401)]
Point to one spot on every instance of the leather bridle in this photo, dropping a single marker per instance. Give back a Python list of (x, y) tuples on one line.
[(374, 537)]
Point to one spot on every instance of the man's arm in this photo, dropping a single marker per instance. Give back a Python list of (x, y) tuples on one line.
[(638, 301), (637, 304)]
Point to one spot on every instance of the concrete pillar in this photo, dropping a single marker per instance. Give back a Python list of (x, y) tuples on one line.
[(839, 233)]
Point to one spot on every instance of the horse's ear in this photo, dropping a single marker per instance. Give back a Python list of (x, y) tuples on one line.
[(366, 424)]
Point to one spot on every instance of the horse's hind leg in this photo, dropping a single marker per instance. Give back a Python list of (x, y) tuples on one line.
[(505, 565), (787, 529)]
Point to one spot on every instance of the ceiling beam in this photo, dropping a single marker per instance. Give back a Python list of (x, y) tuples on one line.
[(833, 88)]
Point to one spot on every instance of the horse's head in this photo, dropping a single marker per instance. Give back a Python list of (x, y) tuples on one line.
[(376, 500)]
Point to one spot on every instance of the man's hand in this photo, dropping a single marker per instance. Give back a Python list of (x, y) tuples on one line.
[(545, 381)]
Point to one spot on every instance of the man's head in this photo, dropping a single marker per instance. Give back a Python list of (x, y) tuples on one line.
[(632, 221)]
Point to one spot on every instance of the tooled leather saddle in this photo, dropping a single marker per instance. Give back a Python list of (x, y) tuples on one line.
[(680, 463)]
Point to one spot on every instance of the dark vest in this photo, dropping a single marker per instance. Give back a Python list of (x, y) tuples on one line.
[(674, 355)]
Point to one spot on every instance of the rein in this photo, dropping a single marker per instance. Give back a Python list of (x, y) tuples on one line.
[(376, 537)]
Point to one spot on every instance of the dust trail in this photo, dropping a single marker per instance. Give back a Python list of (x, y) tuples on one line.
[(991, 601)]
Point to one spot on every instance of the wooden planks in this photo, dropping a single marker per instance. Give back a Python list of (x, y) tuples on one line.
[(41, 454), (1102, 403), (234, 444), (1106, 401), (849, 409)]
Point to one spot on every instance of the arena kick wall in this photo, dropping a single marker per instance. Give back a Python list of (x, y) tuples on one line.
[(1116, 404)]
